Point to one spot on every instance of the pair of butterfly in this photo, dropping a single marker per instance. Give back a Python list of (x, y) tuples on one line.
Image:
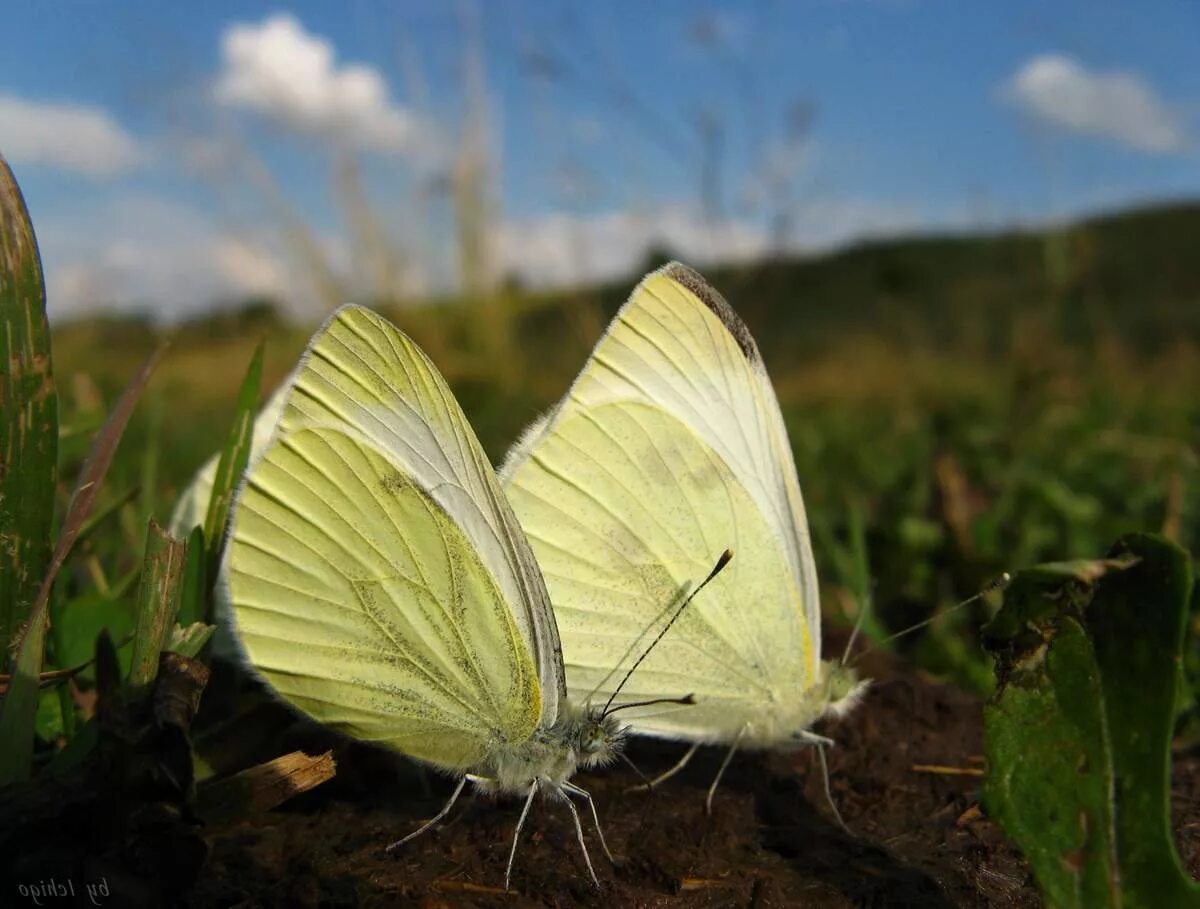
[(385, 581)]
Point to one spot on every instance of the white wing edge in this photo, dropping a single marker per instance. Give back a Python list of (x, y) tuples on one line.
[(520, 451)]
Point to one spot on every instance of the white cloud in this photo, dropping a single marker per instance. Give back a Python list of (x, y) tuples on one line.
[(824, 224), (85, 140), (559, 248), (1121, 106), (140, 252), (562, 249), (248, 269), (281, 71)]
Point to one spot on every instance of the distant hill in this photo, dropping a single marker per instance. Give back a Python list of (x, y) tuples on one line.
[(1133, 275), (1136, 274)]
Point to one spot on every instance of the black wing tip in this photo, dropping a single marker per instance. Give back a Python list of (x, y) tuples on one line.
[(693, 281)]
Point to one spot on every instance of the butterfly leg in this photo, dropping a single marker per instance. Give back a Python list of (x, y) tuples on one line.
[(666, 775), (712, 790), (433, 820), (582, 845), (512, 854), (821, 743), (808, 737), (576, 790)]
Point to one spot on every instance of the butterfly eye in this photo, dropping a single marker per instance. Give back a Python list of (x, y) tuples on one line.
[(593, 739)]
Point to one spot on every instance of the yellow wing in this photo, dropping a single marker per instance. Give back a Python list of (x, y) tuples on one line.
[(363, 604), (374, 572), (668, 448), (360, 371)]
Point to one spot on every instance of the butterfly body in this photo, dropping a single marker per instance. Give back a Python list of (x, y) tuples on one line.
[(551, 756)]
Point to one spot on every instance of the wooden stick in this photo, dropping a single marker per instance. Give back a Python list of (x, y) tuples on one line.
[(689, 884), (449, 886), (943, 770), (256, 790)]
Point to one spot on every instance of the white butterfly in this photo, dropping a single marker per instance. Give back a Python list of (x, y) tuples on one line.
[(668, 445), (375, 576)]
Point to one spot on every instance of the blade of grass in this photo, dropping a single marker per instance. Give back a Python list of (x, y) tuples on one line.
[(18, 711), (101, 515), (18, 715), (67, 705), (232, 464), (861, 584), (157, 601), (28, 414), (193, 602), (150, 458), (125, 583)]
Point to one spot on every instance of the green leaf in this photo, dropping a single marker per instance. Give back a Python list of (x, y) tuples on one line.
[(28, 416), (193, 600), (18, 712), (1040, 734), (1078, 734), (1137, 622), (79, 624), (49, 724), (157, 602), (232, 464)]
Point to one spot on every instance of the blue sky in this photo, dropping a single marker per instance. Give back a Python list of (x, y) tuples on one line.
[(172, 156)]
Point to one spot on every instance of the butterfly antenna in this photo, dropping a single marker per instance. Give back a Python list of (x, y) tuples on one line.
[(687, 699), (994, 584), (721, 563), (858, 624)]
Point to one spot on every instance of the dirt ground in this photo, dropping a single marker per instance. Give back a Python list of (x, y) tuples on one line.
[(917, 835)]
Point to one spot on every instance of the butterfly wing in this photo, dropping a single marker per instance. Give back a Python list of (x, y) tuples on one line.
[(668, 448), (363, 372), (364, 604), (374, 519)]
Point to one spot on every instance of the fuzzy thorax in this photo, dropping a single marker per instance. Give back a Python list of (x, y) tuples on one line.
[(582, 737)]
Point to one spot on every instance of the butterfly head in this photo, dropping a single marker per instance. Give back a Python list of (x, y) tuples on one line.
[(843, 688), (599, 739)]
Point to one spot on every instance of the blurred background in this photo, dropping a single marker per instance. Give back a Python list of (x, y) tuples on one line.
[(964, 236)]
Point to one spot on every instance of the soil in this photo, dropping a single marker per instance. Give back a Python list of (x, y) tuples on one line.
[(917, 837)]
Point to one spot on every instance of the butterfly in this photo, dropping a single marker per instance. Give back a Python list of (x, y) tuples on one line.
[(374, 575), (669, 440)]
